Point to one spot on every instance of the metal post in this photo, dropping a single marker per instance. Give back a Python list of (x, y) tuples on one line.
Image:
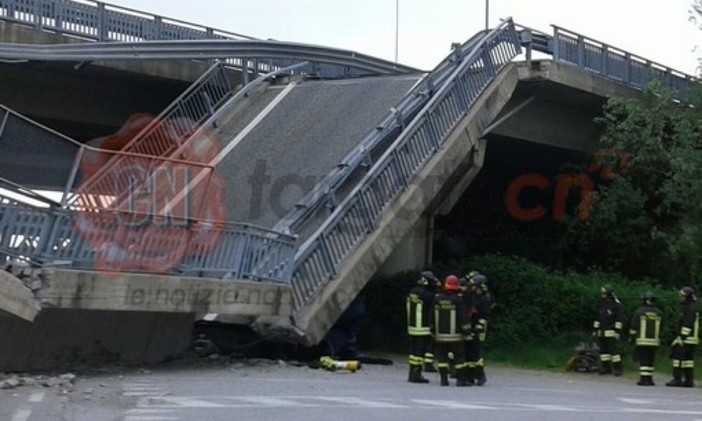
[(487, 14), (38, 14), (397, 28), (101, 23)]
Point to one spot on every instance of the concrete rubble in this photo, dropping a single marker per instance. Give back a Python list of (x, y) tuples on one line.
[(64, 382)]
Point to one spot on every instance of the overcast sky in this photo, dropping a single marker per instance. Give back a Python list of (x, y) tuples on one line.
[(658, 30)]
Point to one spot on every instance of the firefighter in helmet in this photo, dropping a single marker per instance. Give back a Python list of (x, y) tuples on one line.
[(682, 349), (645, 332), (419, 301), (607, 329), (449, 325), (479, 304)]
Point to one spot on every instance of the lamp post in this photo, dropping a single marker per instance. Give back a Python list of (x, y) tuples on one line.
[(397, 27), (487, 14)]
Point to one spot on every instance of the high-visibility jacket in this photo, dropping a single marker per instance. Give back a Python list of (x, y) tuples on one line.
[(690, 324), (419, 315), (479, 308), (608, 323), (646, 326), (450, 318)]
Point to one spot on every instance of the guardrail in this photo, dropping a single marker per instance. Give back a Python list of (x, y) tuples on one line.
[(47, 236), (99, 21), (319, 259), (37, 229), (163, 136), (594, 56)]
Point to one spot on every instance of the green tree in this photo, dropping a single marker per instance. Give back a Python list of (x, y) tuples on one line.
[(646, 217)]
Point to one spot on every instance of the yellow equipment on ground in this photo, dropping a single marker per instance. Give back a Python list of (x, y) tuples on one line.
[(328, 363)]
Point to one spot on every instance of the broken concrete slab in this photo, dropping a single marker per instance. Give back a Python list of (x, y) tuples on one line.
[(16, 298), (79, 290)]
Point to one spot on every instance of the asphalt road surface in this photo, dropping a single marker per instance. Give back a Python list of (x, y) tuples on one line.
[(262, 390)]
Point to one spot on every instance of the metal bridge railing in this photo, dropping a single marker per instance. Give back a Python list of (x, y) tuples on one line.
[(101, 21), (166, 135), (48, 236), (320, 258), (163, 237), (585, 53)]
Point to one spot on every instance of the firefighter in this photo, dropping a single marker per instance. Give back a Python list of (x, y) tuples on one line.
[(449, 325), (607, 328), (419, 314), (645, 332), (682, 349), (479, 305)]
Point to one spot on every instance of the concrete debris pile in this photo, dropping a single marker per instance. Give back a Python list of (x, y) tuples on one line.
[(65, 382)]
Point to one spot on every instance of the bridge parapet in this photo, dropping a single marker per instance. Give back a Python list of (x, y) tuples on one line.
[(577, 50), (99, 21)]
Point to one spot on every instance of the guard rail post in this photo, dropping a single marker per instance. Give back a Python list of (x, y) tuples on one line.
[(605, 60), (38, 14), (102, 34)]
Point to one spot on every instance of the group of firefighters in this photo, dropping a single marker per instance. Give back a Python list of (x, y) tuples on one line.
[(645, 333), (447, 323)]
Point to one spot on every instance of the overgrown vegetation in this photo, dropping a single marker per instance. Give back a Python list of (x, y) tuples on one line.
[(646, 213)]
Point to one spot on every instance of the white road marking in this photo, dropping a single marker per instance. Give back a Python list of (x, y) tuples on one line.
[(148, 418), (636, 401), (359, 402), (36, 397), (451, 404), (549, 407), (273, 402), (148, 411), (188, 402), (21, 415)]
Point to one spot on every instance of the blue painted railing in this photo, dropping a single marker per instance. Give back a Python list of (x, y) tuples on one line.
[(577, 50), (99, 21)]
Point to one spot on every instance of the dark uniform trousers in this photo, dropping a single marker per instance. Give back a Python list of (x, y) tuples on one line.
[(420, 350), (473, 353), (442, 351), (646, 357), (683, 357)]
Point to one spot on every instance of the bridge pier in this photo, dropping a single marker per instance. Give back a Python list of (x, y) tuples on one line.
[(414, 251)]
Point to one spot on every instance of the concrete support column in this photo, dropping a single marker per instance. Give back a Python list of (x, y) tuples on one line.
[(414, 251)]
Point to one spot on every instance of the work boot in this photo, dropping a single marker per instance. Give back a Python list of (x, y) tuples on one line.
[(470, 375), (677, 378), (645, 381), (480, 378), (416, 375), (429, 368), (605, 367), (618, 368), (443, 373), (461, 378), (689, 379)]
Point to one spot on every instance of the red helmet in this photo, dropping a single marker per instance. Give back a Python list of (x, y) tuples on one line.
[(451, 283)]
